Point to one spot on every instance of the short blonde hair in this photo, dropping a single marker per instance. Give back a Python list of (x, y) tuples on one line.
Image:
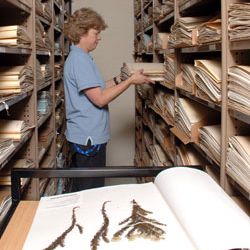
[(79, 23)]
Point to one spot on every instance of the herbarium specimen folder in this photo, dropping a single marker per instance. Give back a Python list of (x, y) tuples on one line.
[(184, 209)]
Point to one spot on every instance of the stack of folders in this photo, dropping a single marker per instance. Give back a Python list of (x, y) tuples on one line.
[(59, 116), (169, 77), (186, 79), (58, 69), (162, 9), (238, 161), (181, 31), (208, 79), (239, 88), (210, 138), (14, 36), (39, 7), (15, 79), (47, 11), (159, 157), (165, 103), (161, 41), (6, 146), (47, 73), (190, 116), (40, 32), (155, 71), (239, 21), (163, 136), (5, 201), (186, 155), (39, 76), (5, 174), (209, 31), (13, 129)]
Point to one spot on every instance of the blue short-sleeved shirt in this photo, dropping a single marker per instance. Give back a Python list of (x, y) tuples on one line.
[(84, 120)]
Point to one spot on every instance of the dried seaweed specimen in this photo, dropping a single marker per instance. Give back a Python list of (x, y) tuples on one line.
[(140, 226), (60, 240), (102, 233)]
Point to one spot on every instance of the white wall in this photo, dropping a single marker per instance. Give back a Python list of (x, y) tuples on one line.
[(115, 48)]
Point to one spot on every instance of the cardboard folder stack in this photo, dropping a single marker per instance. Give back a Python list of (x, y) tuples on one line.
[(13, 129), (15, 79), (238, 26), (162, 9), (239, 88), (14, 36), (208, 79), (190, 116), (169, 68), (210, 138), (6, 147), (209, 31), (155, 71), (161, 41), (181, 31), (238, 161)]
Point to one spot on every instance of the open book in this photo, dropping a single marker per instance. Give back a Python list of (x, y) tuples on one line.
[(184, 209)]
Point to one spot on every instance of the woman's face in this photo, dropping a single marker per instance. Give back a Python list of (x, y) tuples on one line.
[(90, 40)]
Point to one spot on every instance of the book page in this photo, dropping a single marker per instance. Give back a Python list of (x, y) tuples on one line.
[(207, 213), (55, 217)]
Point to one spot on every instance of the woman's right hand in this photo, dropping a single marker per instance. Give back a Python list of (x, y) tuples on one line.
[(139, 78)]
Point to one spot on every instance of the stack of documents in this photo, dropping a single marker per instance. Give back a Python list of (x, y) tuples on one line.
[(145, 91), (47, 73), (13, 129), (39, 7), (186, 80), (5, 201), (159, 157), (15, 79), (39, 76), (186, 155), (165, 103), (238, 20), (14, 36), (47, 11), (209, 31), (162, 9), (6, 146), (5, 174), (161, 41), (40, 32), (58, 69), (155, 71), (181, 31), (190, 116), (169, 77), (208, 79), (239, 88), (238, 161), (210, 141), (45, 137)]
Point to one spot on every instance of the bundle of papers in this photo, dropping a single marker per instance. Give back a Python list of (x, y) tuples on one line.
[(239, 88), (5, 174), (159, 157), (47, 11), (165, 103), (238, 160), (13, 129), (238, 20), (187, 78), (208, 79), (162, 9), (15, 79), (155, 71), (14, 36), (209, 31), (5, 201), (190, 116), (169, 68), (181, 31), (161, 41), (210, 138), (39, 7), (6, 146), (186, 155)]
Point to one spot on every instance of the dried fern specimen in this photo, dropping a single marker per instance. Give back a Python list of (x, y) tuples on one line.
[(102, 233), (59, 241), (138, 225)]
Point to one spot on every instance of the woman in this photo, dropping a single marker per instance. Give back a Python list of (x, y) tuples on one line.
[(87, 95)]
